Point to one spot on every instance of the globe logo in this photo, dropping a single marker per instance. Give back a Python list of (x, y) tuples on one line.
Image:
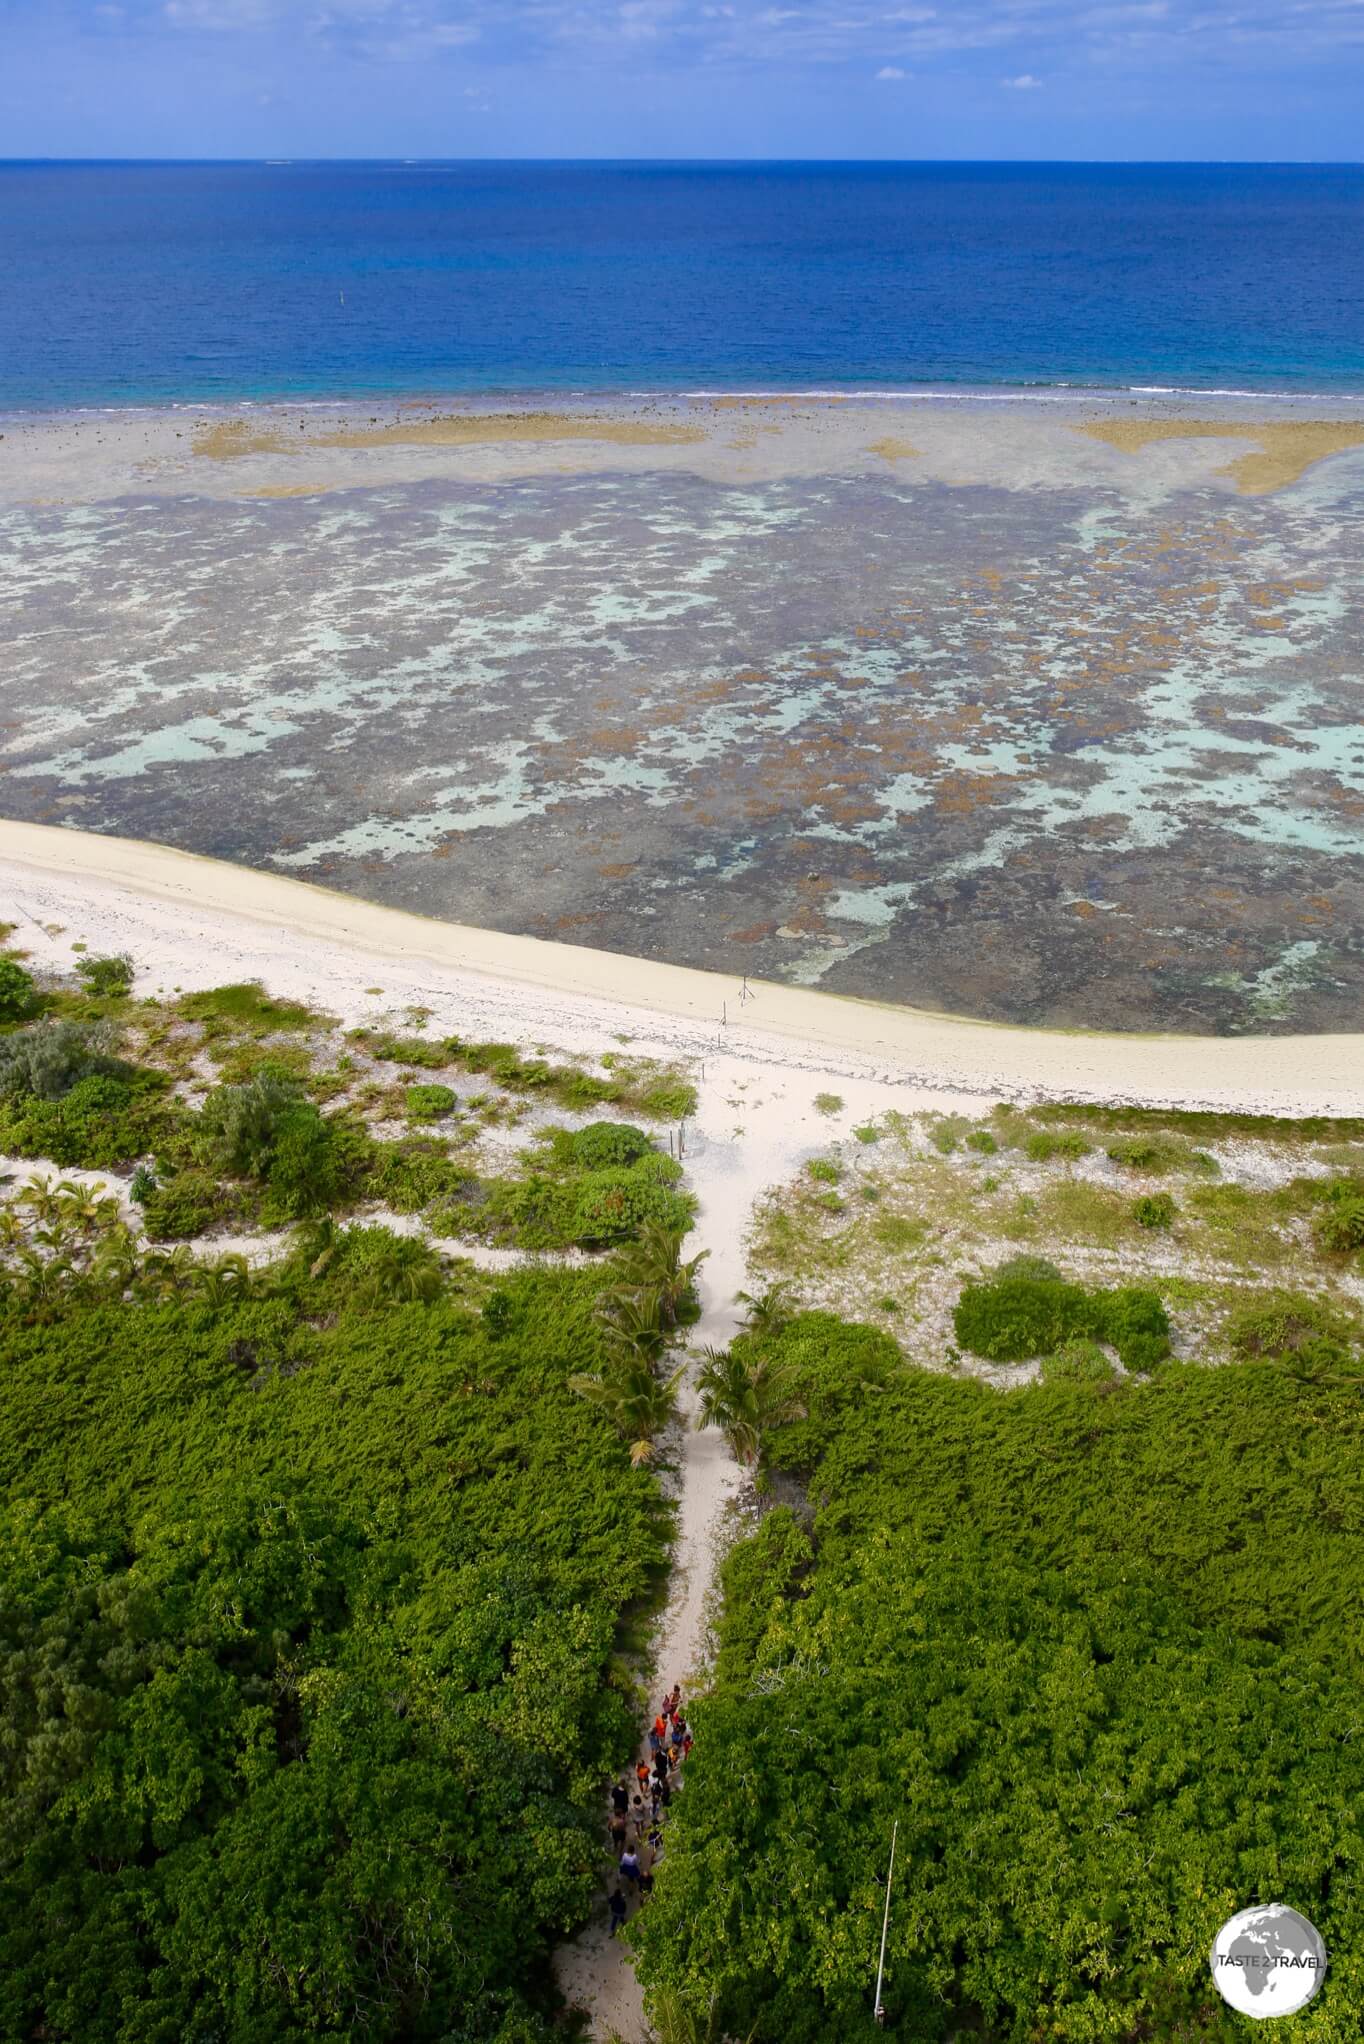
[(1268, 1961)]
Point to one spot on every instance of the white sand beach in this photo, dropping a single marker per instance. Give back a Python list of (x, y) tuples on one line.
[(190, 921)]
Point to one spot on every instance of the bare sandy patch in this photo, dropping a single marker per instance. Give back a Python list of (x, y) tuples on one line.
[(231, 439), (1283, 451), (891, 449), (290, 490)]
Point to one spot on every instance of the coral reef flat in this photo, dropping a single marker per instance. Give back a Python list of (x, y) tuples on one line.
[(1042, 712)]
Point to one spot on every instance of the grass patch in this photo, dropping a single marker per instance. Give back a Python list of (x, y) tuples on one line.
[(246, 1005)]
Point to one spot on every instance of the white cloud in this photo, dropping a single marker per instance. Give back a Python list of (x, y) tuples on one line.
[(1025, 82), (891, 71)]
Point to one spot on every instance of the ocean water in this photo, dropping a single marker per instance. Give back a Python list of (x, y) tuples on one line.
[(137, 283)]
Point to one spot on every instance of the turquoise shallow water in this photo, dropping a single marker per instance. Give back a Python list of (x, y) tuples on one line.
[(131, 283)]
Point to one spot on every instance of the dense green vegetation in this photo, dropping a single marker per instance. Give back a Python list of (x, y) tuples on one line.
[(317, 1579), (306, 1630), (1094, 1644), (1028, 1309)]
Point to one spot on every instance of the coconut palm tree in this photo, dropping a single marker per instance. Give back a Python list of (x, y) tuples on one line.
[(638, 1403), (745, 1396), (40, 1283), (40, 1196), (404, 1272), (86, 1207), (115, 1261), (654, 1262), (768, 1312), (217, 1284), (633, 1326), (165, 1273)]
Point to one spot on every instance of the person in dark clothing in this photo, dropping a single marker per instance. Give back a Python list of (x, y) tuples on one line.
[(661, 1767), (620, 1798), (618, 1910)]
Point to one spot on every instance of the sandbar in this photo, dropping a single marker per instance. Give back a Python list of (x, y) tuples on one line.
[(230, 439), (1284, 449)]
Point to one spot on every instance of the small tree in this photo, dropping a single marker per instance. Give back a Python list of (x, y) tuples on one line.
[(770, 1311), (654, 1263), (18, 996), (745, 1394), (638, 1403)]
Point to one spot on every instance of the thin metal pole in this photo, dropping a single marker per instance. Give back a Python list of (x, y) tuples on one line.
[(879, 2011)]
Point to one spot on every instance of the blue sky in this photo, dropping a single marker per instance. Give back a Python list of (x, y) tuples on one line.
[(1269, 79)]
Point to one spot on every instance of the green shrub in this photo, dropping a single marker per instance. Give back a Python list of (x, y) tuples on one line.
[(1136, 1324), (107, 977), (828, 1103), (429, 1103), (412, 1174), (239, 1125), (1280, 1326), (611, 1206), (981, 1139), (869, 1132), (824, 1170), (1044, 1144), (102, 1121), (1338, 1226), (603, 1144), (48, 1058), (1026, 1265), (141, 1186), (18, 995), (666, 1099), (180, 1206), (305, 1168), (1154, 1210), (1143, 1153), (1077, 1362), (247, 1003), (1014, 1318)]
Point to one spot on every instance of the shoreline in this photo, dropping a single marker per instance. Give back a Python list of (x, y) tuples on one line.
[(494, 397), (212, 921), (1141, 445)]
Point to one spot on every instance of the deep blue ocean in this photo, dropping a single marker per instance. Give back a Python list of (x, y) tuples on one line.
[(131, 283)]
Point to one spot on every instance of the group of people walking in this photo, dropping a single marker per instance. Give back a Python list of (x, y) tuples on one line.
[(639, 1806)]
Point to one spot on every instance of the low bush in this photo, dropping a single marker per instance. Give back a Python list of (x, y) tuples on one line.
[(430, 1103), (410, 1175), (247, 1004), (1338, 1225), (605, 1143), (828, 1103), (1154, 1210), (103, 1121), (980, 1139), (824, 1170), (49, 1058), (180, 1206), (109, 978), (1077, 1362), (18, 995), (1014, 1317), (1283, 1326), (1045, 1143)]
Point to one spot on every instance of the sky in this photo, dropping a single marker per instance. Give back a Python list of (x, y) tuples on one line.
[(1267, 80)]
